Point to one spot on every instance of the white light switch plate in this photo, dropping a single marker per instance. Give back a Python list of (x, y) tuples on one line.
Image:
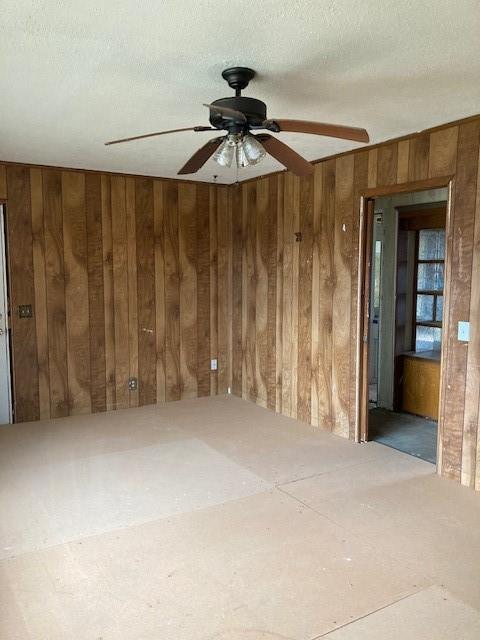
[(464, 331), (213, 364)]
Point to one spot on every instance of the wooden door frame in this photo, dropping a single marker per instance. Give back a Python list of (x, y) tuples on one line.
[(363, 294), (8, 299)]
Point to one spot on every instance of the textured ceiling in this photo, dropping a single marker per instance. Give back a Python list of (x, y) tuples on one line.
[(74, 74)]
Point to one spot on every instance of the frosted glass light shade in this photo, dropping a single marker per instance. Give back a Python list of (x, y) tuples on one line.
[(225, 153), (246, 150), (253, 150)]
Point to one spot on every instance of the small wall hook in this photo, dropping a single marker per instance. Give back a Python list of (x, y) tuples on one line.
[(298, 236)]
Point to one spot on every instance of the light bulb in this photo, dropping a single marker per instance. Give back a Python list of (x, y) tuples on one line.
[(252, 149), (242, 160)]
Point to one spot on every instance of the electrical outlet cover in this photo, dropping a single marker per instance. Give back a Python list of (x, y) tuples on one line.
[(213, 364), (25, 311)]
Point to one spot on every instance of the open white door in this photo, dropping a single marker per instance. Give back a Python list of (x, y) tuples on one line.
[(5, 386)]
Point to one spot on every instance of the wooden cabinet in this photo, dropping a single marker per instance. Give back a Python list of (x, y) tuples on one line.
[(421, 383)]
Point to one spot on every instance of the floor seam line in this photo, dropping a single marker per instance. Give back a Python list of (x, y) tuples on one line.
[(79, 540), (324, 473), (356, 535), (370, 613), (307, 506)]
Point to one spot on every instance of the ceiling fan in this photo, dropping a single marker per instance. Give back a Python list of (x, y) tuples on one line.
[(239, 116)]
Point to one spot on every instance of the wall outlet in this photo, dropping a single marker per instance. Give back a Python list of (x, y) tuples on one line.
[(464, 331), (213, 364), (132, 384)]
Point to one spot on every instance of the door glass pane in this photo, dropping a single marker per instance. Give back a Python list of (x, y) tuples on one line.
[(428, 339), (431, 244), (439, 314), (425, 308), (430, 277)]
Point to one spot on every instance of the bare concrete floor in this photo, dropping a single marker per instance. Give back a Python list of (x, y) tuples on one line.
[(403, 431), (214, 519)]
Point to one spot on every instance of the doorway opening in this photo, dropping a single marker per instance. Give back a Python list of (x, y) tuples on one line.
[(403, 319), (6, 412)]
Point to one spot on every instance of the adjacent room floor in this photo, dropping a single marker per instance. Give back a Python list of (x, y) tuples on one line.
[(215, 519), (408, 433)]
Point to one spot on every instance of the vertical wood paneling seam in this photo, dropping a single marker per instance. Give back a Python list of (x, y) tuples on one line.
[(203, 290), (93, 205), (279, 297), (213, 275), (40, 280), (172, 295), (295, 287), (237, 291), (230, 291), (55, 284), (288, 230), (272, 293), (261, 292), (75, 256), (67, 381), (305, 297), (223, 283), (146, 308), (108, 292), (188, 256), (342, 294), (315, 328), (160, 287), (132, 286), (244, 276), (120, 290)]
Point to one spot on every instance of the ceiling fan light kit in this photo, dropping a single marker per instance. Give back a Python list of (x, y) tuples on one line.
[(244, 148), (239, 115)]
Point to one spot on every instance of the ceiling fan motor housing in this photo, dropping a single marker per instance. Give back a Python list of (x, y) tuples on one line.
[(254, 110)]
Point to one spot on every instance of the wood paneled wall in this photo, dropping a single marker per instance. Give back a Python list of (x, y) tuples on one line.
[(147, 278), (295, 310), (128, 277)]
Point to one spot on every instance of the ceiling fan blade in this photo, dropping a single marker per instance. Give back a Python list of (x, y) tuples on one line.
[(200, 156), (158, 133), (318, 128), (227, 113), (286, 155)]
